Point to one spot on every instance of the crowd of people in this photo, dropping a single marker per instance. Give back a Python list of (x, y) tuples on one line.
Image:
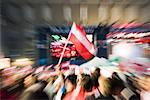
[(77, 85)]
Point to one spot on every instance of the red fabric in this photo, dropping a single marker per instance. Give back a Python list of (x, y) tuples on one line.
[(81, 95), (82, 46), (143, 40), (75, 95), (68, 96)]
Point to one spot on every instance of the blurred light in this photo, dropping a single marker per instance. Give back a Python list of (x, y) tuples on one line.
[(114, 63), (22, 60), (90, 37), (127, 50), (56, 37), (4, 63), (109, 40), (148, 69), (122, 49), (93, 69), (106, 73)]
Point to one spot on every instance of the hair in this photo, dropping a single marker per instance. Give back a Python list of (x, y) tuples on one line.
[(95, 77), (86, 83), (105, 83), (115, 75), (97, 70), (116, 85), (72, 78)]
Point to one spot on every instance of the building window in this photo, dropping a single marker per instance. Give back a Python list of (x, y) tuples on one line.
[(67, 13), (47, 14), (28, 13), (13, 13), (83, 13), (103, 13)]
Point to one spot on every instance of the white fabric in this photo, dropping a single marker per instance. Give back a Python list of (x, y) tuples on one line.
[(127, 93), (50, 88), (96, 93), (59, 94), (95, 62), (145, 95)]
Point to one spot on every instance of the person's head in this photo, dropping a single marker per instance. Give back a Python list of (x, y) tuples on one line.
[(87, 83), (115, 75), (70, 82), (116, 86), (105, 86)]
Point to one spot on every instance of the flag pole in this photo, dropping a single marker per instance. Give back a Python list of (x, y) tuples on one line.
[(64, 48)]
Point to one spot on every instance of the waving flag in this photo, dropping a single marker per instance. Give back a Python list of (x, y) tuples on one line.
[(84, 47)]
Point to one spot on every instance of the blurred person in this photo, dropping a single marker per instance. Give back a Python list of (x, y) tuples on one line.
[(87, 84), (70, 84), (116, 76), (11, 86), (54, 85), (133, 85), (35, 92), (30, 80), (97, 70), (78, 93), (84, 88), (144, 86), (95, 76), (117, 84), (104, 89), (47, 89), (120, 90), (51, 79), (12, 91), (60, 88)]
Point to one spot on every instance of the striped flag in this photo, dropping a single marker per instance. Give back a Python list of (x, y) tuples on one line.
[(84, 47)]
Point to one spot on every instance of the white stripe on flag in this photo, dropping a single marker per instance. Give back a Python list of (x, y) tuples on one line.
[(83, 39)]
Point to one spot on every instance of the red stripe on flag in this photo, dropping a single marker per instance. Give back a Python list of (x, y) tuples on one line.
[(81, 29), (84, 47), (81, 48)]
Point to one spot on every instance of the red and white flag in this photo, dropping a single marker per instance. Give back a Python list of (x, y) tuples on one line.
[(84, 47)]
